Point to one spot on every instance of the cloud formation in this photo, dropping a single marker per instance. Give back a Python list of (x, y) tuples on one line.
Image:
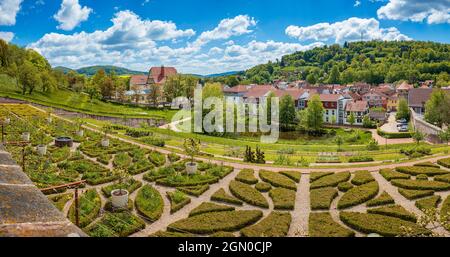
[(71, 14), (8, 11), (7, 36), (431, 11), (352, 29)]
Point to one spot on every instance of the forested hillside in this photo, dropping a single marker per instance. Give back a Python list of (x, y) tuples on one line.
[(372, 62)]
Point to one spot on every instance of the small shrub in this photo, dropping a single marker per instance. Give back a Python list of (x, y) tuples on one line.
[(422, 177), (194, 190), (173, 157), (345, 186), (417, 170), (313, 176), (294, 175), (157, 158), (360, 159), (277, 180)]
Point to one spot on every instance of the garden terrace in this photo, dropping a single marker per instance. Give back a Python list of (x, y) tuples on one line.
[(208, 223), (276, 224)]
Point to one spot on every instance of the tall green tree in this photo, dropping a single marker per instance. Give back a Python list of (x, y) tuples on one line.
[(314, 114), (351, 119), (287, 111), (335, 75), (437, 108), (402, 110), (29, 77)]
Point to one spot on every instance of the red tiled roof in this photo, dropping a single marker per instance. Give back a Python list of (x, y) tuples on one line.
[(159, 74), (295, 93), (358, 106), (405, 86), (259, 91), (328, 97), (237, 89), (138, 79)]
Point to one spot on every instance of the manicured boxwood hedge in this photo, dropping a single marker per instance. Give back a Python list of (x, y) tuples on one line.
[(222, 234), (383, 199), (248, 194), (177, 200), (316, 175), (362, 177), (445, 211), (381, 224), (130, 185), (443, 178), (427, 164), (390, 174), (282, 198), (276, 224), (421, 184), (149, 202), (415, 194), (221, 196), (321, 198), (247, 176), (208, 223), (210, 207), (331, 180), (418, 170), (119, 224), (360, 159), (422, 177), (89, 208), (358, 195), (444, 162), (294, 175), (321, 224), (277, 180), (428, 203), (391, 135), (345, 186), (194, 190), (122, 160), (263, 187), (396, 211)]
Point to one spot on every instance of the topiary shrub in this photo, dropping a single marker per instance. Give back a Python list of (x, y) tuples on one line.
[(428, 203), (421, 184), (345, 186), (414, 194), (418, 170), (390, 174)]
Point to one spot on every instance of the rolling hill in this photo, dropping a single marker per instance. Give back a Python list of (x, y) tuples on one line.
[(91, 70)]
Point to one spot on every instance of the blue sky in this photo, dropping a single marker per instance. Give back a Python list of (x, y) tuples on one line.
[(209, 36)]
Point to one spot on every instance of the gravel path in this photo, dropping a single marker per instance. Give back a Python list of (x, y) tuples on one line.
[(300, 215)]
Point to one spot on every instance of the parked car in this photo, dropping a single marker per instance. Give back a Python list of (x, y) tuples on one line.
[(403, 129), (402, 121)]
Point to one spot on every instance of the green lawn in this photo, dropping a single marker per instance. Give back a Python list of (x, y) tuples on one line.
[(80, 102)]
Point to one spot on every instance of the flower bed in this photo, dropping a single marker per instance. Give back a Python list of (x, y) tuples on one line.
[(276, 224), (358, 195), (208, 223), (247, 176), (322, 225), (177, 200), (396, 211), (321, 198), (331, 180), (89, 207), (130, 185), (390, 174), (149, 202), (380, 224), (421, 184), (362, 177), (383, 199), (119, 224), (248, 194), (415, 194), (283, 199), (221, 196), (277, 180), (157, 158), (210, 207), (122, 160)]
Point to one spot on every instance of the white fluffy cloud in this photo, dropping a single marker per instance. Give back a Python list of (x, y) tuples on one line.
[(8, 11), (136, 43), (227, 28), (433, 11), (71, 14), (347, 30), (7, 36)]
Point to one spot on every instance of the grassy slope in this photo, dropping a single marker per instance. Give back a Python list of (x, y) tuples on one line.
[(72, 101)]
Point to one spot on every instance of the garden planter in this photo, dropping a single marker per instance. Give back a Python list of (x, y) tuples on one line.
[(63, 141), (191, 168), (80, 133), (42, 150), (105, 142), (26, 136), (119, 198)]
